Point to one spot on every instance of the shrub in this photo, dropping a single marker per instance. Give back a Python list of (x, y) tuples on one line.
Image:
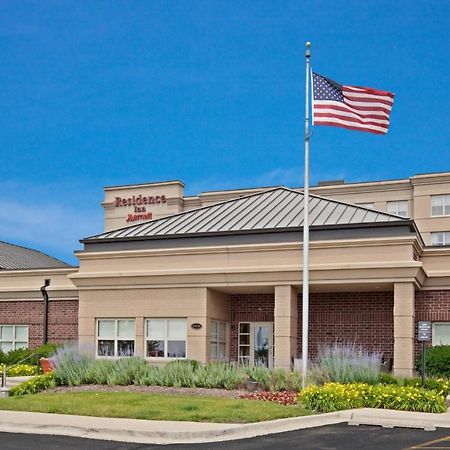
[(21, 370), (439, 385), (346, 363), (437, 361), (15, 356), (386, 378), (336, 396), (33, 386)]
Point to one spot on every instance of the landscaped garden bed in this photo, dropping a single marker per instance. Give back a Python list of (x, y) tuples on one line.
[(343, 377)]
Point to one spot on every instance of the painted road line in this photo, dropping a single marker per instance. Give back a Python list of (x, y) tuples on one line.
[(429, 444)]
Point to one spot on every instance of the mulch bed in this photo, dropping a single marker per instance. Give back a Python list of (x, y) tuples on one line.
[(201, 392)]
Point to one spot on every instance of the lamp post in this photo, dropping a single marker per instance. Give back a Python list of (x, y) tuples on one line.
[(45, 321)]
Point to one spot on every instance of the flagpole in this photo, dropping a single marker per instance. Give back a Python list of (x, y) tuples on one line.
[(305, 283)]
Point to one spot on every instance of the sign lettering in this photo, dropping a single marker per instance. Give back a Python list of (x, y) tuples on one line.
[(140, 203)]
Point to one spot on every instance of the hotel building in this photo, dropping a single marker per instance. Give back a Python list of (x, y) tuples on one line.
[(218, 276)]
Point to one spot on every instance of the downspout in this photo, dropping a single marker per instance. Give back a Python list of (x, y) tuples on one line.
[(45, 321)]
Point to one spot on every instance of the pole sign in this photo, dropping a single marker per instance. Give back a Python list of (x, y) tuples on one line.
[(424, 331)]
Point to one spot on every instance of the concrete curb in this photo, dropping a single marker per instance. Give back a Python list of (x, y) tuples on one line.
[(162, 432)]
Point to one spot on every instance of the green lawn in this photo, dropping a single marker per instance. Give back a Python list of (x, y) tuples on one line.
[(152, 406)]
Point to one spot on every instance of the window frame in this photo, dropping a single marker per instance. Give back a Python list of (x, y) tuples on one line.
[(115, 339), (14, 339), (445, 238), (165, 339), (218, 340), (445, 205), (397, 209), (433, 332)]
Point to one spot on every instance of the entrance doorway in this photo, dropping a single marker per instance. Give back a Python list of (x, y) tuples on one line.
[(256, 344)]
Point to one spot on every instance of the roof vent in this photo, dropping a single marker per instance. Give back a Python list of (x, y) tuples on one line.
[(330, 182)]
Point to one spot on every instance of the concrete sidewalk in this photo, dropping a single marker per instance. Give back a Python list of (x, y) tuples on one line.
[(166, 432)]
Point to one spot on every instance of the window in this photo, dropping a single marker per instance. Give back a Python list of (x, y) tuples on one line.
[(440, 205), (218, 340), (440, 238), (166, 338), (115, 337), (400, 208), (244, 344), (441, 333), (369, 205), (13, 337)]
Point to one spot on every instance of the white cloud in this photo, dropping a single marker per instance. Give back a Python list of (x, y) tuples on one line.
[(50, 218)]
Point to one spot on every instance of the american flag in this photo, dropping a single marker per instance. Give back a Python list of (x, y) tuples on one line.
[(352, 107)]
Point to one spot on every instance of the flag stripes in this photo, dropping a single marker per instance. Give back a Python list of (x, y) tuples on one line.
[(351, 107)]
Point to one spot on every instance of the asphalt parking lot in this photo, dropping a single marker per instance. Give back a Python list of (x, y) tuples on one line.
[(321, 438)]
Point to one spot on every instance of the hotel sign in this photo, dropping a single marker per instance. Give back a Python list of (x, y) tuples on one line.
[(140, 204)]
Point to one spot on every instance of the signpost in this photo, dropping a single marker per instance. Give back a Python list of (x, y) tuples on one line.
[(424, 335)]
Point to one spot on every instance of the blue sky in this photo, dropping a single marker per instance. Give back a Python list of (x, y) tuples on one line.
[(210, 92)]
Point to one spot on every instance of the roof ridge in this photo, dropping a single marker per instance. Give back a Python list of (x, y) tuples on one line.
[(186, 212), (192, 216), (329, 199)]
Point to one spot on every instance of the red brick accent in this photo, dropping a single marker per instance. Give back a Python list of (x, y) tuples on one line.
[(365, 318), (248, 308), (433, 306), (62, 319)]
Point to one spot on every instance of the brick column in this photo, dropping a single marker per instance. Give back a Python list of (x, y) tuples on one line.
[(285, 331), (404, 312)]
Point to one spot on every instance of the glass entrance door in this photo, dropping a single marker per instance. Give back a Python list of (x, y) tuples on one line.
[(262, 344), (256, 344)]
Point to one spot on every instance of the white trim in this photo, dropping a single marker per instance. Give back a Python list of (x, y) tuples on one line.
[(433, 330), (14, 340), (115, 338), (165, 339)]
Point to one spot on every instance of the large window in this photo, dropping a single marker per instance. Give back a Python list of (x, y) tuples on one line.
[(218, 340), (400, 208), (440, 238), (115, 337), (166, 338), (13, 337), (440, 205), (441, 333)]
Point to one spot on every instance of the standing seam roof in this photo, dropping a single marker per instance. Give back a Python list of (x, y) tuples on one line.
[(269, 210), (15, 257)]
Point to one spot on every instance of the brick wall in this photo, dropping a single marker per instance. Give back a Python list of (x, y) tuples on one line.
[(62, 319), (433, 306), (248, 308), (365, 318)]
